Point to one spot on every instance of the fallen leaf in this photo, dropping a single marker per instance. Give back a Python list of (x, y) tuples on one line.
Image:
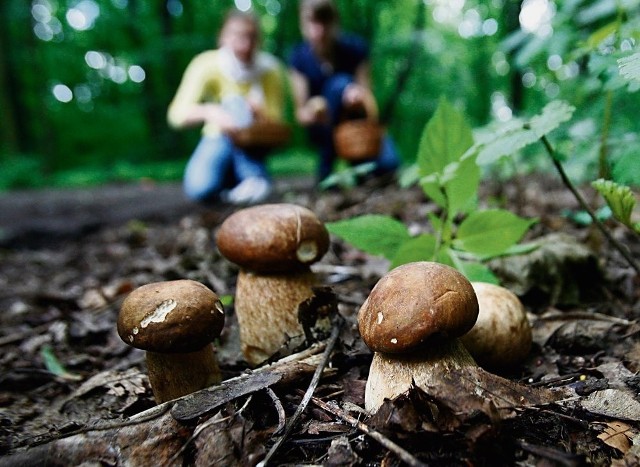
[(617, 435), (614, 403)]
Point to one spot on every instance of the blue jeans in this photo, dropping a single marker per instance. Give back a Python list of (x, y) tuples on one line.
[(322, 135), (217, 164)]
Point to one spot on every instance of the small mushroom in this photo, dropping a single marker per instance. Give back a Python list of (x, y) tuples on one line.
[(176, 323), (274, 245), (412, 320), (501, 337)]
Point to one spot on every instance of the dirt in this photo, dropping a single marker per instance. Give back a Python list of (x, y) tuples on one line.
[(69, 257)]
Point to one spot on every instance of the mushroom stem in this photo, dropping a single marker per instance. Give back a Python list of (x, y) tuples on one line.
[(391, 375), (266, 306), (175, 375)]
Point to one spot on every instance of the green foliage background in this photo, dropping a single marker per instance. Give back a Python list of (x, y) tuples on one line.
[(475, 53)]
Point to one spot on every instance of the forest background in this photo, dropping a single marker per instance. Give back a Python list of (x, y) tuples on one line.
[(85, 84)]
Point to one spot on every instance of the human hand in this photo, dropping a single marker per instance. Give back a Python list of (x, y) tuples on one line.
[(224, 120), (355, 95), (314, 111)]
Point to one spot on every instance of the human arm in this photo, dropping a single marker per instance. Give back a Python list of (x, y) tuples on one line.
[(359, 93), (307, 111), (272, 106), (189, 107)]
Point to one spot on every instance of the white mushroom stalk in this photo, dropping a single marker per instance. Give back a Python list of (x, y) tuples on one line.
[(274, 245)]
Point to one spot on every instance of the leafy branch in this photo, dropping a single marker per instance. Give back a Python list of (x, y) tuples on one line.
[(518, 134), (617, 199), (463, 236)]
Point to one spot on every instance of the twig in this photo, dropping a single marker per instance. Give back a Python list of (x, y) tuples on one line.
[(402, 454), (563, 458), (200, 428), (282, 417), (335, 333), (565, 179)]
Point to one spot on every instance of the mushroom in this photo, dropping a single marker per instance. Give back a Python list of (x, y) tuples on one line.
[(501, 337), (175, 322), (274, 245), (412, 320)]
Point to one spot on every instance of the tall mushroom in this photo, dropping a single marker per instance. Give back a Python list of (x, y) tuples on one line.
[(176, 323), (412, 320), (501, 337), (274, 245)]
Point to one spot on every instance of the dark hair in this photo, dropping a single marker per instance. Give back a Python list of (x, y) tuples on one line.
[(322, 11)]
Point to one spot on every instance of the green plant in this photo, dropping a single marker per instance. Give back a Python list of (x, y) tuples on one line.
[(620, 200), (463, 236), (519, 134), (346, 177)]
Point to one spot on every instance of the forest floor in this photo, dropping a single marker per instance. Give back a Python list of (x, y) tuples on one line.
[(71, 392)]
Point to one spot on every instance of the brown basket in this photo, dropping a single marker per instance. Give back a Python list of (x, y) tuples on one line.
[(358, 140), (262, 134)]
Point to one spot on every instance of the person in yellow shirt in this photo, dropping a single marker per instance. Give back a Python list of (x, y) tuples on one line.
[(225, 90)]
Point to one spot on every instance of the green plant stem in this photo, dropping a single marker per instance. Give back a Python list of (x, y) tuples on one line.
[(565, 179)]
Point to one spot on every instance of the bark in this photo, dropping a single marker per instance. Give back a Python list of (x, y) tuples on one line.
[(407, 66), (8, 136), (512, 23)]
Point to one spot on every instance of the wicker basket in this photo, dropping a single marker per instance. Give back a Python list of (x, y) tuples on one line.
[(262, 134), (358, 140)]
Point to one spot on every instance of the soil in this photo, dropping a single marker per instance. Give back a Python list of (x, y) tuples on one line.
[(70, 388)]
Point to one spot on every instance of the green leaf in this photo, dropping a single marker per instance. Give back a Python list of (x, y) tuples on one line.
[(445, 139), (619, 198), (420, 248), (630, 66), (226, 300), (409, 176), (490, 233), (626, 170), (601, 34), (553, 115), (455, 187), (477, 272), (375, 234), (54, 366), (462, 187), (517, 249), (518, 136)]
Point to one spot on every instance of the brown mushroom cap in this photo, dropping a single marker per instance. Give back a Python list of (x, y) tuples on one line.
[(414, 302), (171, 317), (273, 237)]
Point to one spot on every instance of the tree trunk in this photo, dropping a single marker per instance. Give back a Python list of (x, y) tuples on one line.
[(512, 23)]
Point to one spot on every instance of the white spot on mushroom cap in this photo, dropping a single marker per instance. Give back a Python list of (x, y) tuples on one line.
[(394, 341), (307, 251), (380, 317), (160, 313)]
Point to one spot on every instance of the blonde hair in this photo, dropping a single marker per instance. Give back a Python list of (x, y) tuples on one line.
[(237, 15)]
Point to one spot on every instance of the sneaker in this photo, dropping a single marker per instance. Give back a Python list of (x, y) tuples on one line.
[(251, 190)]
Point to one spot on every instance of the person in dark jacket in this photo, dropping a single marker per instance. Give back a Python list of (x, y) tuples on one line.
[(331, 79)]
